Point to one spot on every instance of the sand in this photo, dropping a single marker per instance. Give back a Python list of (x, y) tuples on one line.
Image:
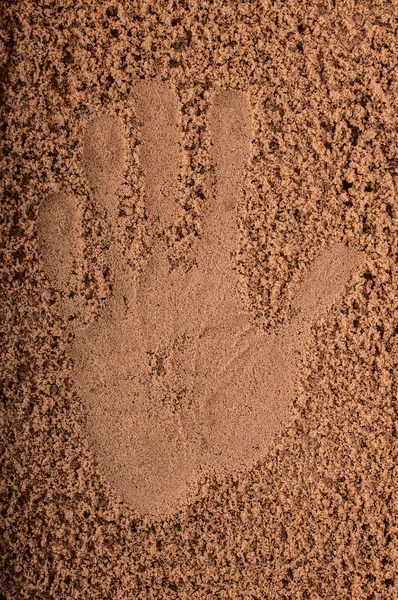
[(199, 305)]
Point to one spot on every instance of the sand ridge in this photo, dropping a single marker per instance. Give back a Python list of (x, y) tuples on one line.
[(169, 334)]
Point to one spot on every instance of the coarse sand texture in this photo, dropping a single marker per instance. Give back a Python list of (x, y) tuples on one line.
[(199, 305)]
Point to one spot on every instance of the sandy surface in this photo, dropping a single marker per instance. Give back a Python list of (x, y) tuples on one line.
[(199, 300)]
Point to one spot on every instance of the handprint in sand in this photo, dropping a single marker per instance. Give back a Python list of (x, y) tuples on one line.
[(175, 379)]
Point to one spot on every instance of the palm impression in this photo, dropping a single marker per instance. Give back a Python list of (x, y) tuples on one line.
[(175, 378)]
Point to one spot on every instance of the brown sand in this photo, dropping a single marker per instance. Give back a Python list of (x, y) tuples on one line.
[(200, 300)]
